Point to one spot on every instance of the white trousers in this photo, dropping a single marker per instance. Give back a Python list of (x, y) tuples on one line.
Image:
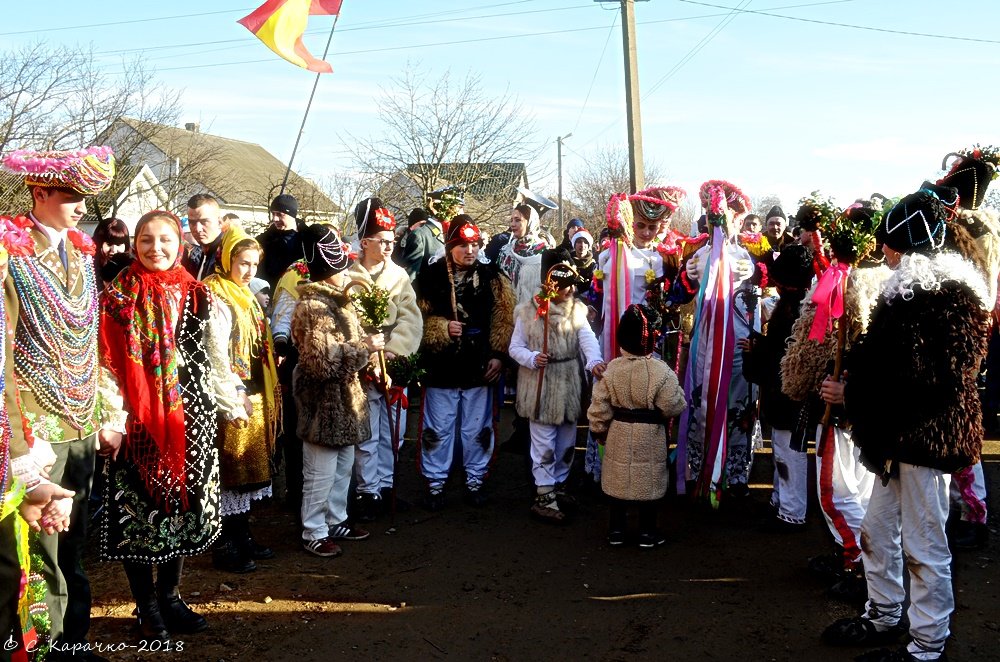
[(373, 457), (326, 477), (845, 493), (907, 516), (968, 490), (791, 477), (445, 409), (551, 452)]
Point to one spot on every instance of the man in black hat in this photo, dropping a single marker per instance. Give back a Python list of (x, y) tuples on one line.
[(468, 309), (912, 399), (280, 242), (775, 227)]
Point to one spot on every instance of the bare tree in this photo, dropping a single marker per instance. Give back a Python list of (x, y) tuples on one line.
[(605, 174), (761, 204), (436, 132)]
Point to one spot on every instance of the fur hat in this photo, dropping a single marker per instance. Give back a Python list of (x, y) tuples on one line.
[(324, 252), (915, 224), (775, 211), (557, 264), (793, 268), (285, 204), (372, 217), (462, 230), (636, 332), (971, 173), (87, 171)]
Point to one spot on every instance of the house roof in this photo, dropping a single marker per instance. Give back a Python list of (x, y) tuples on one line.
[(243, 173), (482, 180), (14, 197)]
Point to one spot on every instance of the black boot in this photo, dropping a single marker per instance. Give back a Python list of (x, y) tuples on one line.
[(242, 537), (179, 618), (140, 579), (233, 554)]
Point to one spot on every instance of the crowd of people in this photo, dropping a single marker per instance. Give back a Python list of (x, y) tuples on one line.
[(190, 375)]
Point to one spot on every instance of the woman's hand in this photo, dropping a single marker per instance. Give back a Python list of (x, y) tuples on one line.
[(598, 370), (247, 404), (109, 443)]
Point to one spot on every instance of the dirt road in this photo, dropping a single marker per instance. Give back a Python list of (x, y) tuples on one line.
[(493, 584)]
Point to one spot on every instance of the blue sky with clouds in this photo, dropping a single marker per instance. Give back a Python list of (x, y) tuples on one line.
[(782, 101)]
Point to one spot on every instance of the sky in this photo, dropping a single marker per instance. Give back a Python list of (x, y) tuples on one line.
[(848, 97)]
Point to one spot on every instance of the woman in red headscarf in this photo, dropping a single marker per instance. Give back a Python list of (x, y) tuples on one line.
[(165, 376)]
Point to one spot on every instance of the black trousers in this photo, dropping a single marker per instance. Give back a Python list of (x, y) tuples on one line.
[(618, 511), (68, 596), (289, 442)]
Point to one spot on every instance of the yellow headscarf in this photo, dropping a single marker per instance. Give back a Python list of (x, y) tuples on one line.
[(250, 324)]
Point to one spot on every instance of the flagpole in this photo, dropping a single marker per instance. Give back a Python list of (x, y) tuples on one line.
[(326, 51)]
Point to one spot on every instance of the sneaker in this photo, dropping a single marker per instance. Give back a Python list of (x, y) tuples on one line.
[(366, 507), (860, 631), (347, 532), (616, 538), (323, 547), (652, 539)]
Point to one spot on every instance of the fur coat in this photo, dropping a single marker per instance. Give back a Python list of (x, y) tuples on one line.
[(562, 385), (806, 363), (485, 304), (332, 406), (911, 391), (635, 455)]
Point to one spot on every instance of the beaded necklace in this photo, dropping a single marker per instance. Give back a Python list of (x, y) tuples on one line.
[(5, 431), (55, 344)]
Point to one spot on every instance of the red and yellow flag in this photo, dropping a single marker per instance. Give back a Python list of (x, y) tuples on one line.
[(280, 24)]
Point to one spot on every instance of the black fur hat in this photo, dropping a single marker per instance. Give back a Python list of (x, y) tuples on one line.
[(971, 174), (636, 331)]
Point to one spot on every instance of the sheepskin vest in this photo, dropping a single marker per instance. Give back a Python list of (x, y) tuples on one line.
[(561, 381), (332, 406), (911, 391)]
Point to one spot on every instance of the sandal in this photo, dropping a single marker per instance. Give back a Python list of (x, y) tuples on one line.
[(860, 631)]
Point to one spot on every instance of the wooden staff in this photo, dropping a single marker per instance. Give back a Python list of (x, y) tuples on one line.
[(541, 371)]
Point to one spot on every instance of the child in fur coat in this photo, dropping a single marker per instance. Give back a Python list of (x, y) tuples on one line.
[(332, 406), (629, 411), (552, 422)]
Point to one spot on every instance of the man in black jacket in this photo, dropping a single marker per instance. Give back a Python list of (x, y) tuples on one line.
[(281, 242)]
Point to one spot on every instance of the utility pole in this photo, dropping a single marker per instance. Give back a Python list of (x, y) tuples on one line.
[(559, 142), (633, 116)]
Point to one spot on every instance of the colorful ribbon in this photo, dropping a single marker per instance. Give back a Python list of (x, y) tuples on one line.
[(829, 300)]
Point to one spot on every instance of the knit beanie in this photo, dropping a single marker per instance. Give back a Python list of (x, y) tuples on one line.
[(286, 204), (775, 211)]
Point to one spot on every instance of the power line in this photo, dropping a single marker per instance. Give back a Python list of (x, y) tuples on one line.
[(246, 42), (597, 70), (128, 22), (404, 21), (850, 25), (446, 43)]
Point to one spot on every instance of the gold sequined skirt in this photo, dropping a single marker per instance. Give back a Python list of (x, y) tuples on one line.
[(246, 452)]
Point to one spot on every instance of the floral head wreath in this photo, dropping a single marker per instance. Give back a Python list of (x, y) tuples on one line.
[(852, 234), (657, 203), (719, 196), (87, 171), (619, 217), (817, 212)]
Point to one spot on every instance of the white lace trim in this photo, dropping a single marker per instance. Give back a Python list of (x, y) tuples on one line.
[(929, 273), (234, 503)]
